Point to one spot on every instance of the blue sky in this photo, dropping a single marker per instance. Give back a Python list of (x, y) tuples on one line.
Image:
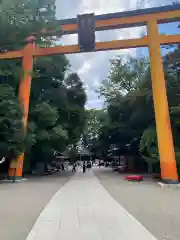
[(93, 67)]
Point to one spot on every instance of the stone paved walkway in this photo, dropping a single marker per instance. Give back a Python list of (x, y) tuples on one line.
[(158, 209), (21, 203), (84, 210)]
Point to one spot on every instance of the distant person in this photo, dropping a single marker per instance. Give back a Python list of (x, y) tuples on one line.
[(84, 167), (74, 167), (89, 165), (62, 167)]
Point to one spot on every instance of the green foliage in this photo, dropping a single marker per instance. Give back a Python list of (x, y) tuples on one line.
[(95, 120), (20, 18), (129, 104), (57, 104), (30, 137), (124, 77), (12, 134), (148, 145), (59, 133), (76, 100), (45, 115), (57, 109), (128, 97)]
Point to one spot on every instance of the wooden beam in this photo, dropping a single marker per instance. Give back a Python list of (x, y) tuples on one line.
[(105, 46), (122, 44), (127, 14), (122, 20), (11, 54), (100, 46), (169, 39), (57, 50)]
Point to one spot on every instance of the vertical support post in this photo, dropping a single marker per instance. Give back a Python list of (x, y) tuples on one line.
[(163, 125), (16, 170)]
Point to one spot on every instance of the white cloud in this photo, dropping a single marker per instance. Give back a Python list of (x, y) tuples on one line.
[(95, 104), (93, 67), (70, 39), (84, 69)]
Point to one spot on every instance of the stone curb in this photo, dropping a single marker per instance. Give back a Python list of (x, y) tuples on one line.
[(165, 185)]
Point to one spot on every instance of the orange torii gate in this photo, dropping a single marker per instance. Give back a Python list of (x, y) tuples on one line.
[(147, 17)]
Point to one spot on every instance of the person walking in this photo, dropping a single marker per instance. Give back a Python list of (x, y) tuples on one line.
[(89, 165), (74, 167), (62, 167), (84, 167)]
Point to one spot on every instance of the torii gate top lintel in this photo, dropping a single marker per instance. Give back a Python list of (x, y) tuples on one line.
[(118, 20), (170, 13)]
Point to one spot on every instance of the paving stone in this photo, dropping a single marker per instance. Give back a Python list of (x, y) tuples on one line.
[(87, 211), (158, 209), (21, 204)]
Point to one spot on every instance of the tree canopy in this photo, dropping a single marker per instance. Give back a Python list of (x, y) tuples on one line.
[(129, 112), (57, 102)]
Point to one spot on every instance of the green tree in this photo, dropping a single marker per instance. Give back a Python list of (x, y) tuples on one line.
[(57, 104), (95, 120), (129, 104), (76, 100), (22, 18), (127, 93), (12, 134)]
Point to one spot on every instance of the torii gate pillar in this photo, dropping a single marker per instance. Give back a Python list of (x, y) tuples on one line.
[(163, 125)]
